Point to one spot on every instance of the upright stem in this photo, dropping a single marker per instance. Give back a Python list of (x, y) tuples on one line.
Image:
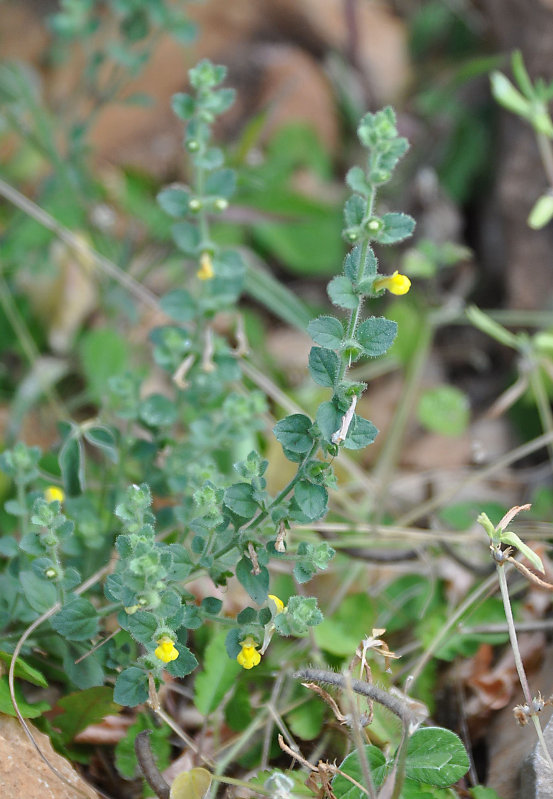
[(518, 660)]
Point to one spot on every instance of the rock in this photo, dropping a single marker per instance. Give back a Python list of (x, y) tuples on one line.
[(536, 778), (23, 773)]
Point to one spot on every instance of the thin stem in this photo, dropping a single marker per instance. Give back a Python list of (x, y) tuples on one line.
[(477, 594), (500, 568), (543, 403), (546, 155)]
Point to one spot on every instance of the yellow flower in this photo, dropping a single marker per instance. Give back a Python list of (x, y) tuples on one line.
[(278, 602), (396, 283), (52, 493), (166, 649), (249, 656), (205, 272)]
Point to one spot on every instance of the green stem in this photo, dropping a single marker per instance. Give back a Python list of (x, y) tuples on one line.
[(500, 568), (542, 401), (546, 155)]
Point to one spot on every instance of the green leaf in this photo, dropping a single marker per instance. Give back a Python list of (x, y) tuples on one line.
[(125, 756), (293, 432), (361, 433), (24, 670), (327, 331), (445, 410), (184, 664), (436, 756), (341, 633), (221, 183), (357, 181), (311, 498), (512, 539), (324, 366), (104, 353), (257, 585), (174, 200), (306, 721), (82, 709), (101, 437), (141, 625), (238, 711), (395, 228), (480, 792), (27, 710), (40, 594), (131, 687), (354, 210), (186, 236), (179, 305), (351, 766), (183, 105), (239, 498), (88, 673), (71, 462), (217, 677), (157, 411), (542, 211), (341, 293), (77, 620), (376, 335)]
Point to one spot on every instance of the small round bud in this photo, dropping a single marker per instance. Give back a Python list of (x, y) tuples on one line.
[(51, 573), (195, 205), (142, 601), (192, 145), (220, 204), (50, 540), (374, 224), (352, 235)]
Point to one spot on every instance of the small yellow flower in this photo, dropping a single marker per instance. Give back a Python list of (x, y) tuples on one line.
[(166, 650), (52, 493), (278, 602), (396, 283), (249, 656), (205, 272)]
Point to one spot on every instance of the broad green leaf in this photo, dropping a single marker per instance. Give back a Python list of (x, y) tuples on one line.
[(312, 499), (174, 200), (354, 210), (238, 711), (157, 411), (27, 710), (341, 633), (131, 687), (101, 437), (395, 228), (512, 538), (141, 625), (71, 462), (179, 305), (357, 181), (125, 756), (436, 756), (306, 721), (293, 433), (217, 677), (341, 293), (193, 784), (82, 709), (324, 366), (327, 331), (222, 183), (444, 409), (257, 585), (186, 237), (239, 498), (77, 620), (344, 789), (25, 671), (360, 434), (104, 353), (40, 594), (184, 664), (376, 335), (480, 792)]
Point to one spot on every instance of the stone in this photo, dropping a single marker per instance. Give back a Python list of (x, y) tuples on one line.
[(23, 773)]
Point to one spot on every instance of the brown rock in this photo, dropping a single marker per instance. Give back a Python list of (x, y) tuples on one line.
[(23, 773)]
